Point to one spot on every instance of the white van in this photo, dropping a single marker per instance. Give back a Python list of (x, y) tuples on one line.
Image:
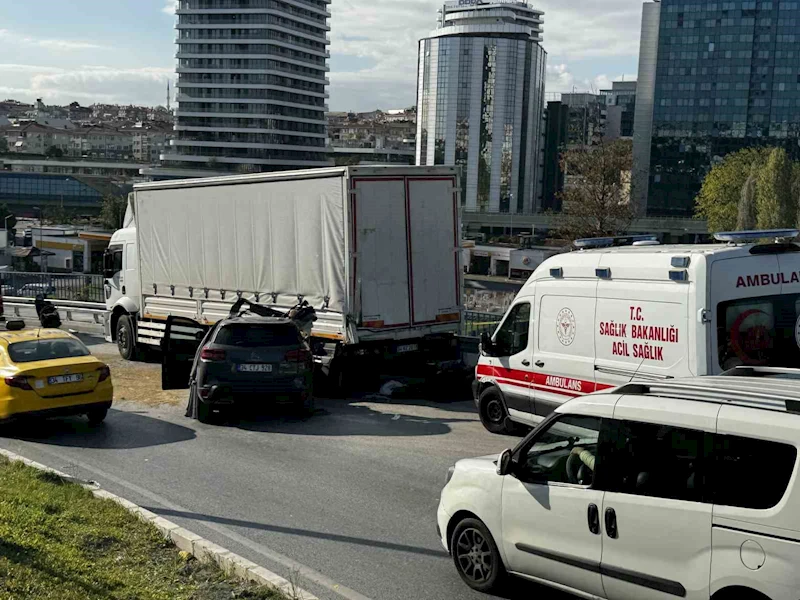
[(598, 318)]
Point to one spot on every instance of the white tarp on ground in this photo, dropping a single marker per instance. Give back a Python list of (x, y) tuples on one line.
[(276, 237)]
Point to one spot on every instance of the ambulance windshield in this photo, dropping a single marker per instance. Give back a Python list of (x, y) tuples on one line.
[(763, 331)]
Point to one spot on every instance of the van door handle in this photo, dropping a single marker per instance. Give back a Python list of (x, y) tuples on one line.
[(611, 523), (526, 363), (540, 363), (594, 519)]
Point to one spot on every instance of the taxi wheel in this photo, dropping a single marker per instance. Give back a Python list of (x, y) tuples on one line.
[(205, 414), (97, 416)]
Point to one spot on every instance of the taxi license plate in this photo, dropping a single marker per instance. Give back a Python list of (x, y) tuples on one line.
[(255, 368), (59, 379)]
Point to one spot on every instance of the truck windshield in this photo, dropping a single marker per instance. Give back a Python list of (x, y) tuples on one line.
[(763, 331), (256, 336), (34, 350)]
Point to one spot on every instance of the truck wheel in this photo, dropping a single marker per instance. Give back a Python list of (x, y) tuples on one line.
[(126, 340), (493, 413)]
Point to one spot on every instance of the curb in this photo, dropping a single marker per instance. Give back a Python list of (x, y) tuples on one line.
[(186, 541)]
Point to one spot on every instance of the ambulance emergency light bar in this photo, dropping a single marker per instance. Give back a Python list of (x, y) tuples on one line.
[(607, 242), (741, 237)]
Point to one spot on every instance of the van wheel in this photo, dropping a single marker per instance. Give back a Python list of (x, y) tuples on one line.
[(126, 342), (476, 556), (493, 413)]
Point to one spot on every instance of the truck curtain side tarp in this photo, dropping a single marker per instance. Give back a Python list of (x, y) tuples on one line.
[(283, 237)]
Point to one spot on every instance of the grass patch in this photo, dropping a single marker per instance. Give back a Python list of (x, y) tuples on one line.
[(59, 542)]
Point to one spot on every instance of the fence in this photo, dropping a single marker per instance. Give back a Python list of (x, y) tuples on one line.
[(74, 286), (476, 323)]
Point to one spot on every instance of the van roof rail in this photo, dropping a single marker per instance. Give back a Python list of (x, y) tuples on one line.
[(742, 237), (778, 372), (778, 394), (611, 242)]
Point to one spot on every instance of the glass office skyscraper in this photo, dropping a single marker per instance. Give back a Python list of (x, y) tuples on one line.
[(480, 101), (714, 77)]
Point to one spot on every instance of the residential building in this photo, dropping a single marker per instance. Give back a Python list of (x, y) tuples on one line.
[(620, 110), (372, 138), (714, 77), (480, 102), (251, 85)]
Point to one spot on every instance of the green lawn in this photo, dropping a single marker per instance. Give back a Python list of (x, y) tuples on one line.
[(59, 542)]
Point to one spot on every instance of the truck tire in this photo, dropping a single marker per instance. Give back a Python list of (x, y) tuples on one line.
[(126, 340)]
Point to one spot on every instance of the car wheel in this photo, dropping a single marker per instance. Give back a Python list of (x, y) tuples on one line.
[(493, 413), (304, 405), (476, 556), (97, 416), (126, 342)]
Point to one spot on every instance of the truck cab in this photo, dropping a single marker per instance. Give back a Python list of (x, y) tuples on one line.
[(122, 290)]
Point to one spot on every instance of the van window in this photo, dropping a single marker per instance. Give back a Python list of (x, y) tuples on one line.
[(762, 331), (658, 461), (512, 336), (549, 457), (751, 473)]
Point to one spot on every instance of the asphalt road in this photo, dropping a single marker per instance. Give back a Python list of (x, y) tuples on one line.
[(343, 501)]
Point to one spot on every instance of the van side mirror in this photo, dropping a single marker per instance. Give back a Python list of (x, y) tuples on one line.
[(487, 345), (504, 463)]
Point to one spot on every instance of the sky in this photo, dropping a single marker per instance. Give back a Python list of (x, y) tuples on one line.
[(122, 51)]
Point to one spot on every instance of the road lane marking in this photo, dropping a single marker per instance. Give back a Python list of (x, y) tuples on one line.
[(289, 563)]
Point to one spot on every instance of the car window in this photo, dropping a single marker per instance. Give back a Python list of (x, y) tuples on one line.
[(246, 335), (46, 349), (565, 452), (658, 461), (739, 459), (512, 336)]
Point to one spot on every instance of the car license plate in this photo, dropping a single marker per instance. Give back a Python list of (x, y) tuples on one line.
[(407, 348), (59, 379), (255, 368)]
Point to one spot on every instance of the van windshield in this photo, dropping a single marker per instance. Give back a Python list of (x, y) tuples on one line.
[(763, 331)]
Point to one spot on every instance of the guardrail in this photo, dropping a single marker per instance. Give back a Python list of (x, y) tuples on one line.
[(477, 323), (70, 310)]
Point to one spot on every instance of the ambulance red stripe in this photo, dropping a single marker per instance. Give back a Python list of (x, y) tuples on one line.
[(539, 381)]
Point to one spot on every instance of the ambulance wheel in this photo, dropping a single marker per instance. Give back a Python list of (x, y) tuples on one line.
[(493, 413)]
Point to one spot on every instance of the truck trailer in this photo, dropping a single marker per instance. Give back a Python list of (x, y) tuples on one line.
[(375, 251)]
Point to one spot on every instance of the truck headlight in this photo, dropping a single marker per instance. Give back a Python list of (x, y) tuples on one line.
[(450, 472)]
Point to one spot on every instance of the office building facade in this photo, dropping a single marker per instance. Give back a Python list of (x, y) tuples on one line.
[(252, 79), (480, 102), (714, 77), (620, 110)]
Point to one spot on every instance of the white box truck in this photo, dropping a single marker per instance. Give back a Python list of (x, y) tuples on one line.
[(375, 250)]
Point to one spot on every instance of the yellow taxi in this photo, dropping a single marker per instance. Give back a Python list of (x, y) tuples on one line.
[(49, 372)]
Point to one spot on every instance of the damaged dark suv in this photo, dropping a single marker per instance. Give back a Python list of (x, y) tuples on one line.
[(241, 364)]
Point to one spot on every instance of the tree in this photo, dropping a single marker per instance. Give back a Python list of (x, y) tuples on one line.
[(112, 215), (719, 197), (748, 215), (776, 207), (54, 152), (596, 197)]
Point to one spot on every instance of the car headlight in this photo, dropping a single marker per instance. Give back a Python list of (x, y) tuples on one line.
[(450, 472)]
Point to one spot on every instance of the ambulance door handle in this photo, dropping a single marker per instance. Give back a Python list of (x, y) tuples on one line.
[(540, 363), (526, 363)]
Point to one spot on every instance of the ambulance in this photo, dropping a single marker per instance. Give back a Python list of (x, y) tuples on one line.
[(618, 310)]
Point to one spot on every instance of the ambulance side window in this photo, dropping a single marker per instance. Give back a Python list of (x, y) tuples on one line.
[(512, 337)]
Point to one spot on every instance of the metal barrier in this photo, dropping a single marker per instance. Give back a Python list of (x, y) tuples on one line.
[(476, 323), (55, 286), (93, 313)]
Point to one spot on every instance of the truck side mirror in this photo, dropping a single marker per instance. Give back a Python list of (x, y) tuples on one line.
[(487, 345)]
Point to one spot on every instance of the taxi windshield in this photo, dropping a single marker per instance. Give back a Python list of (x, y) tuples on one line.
[(46, 349), (762, 331)]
